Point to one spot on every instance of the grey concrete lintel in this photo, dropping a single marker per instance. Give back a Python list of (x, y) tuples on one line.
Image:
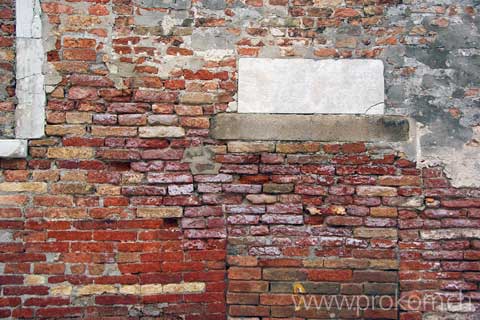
[(288, 127)]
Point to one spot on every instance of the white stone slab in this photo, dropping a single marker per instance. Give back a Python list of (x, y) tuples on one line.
[(310, 86), (30, 89), (29, 57), (28, 21), (13, 148)]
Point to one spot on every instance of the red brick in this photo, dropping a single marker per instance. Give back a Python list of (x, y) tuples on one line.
[(56, 8), (330, 275), (237, 310), (237, 273), (155, 96), (98, 10), (82, 93), (80, 54)]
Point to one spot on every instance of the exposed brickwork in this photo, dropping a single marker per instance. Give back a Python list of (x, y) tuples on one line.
[(328, 223), (7, 68), (342, 220), (439, 245), (128, 209)]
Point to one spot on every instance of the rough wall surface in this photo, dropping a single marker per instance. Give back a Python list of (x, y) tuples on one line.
[(7, 69), (128, 209)]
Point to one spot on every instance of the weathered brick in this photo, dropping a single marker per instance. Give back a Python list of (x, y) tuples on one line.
[(163, 119), (70, 153), (243, 298), (450, 234), (372, 191), (246, 311), (34, 187), (154, 96), (374, 276), (61, 290), (63, 130), (247, 286), (282, 219), (94, 289), (261, 198), (277, 188), (161, 132), (187, 287), (158, 212), (309, 147), (383, 212), (78, 117), (284, 274), (250, 147), (242, 273), (330, 275), (169, 178), (363, 232), (107, 131), (399, 180)]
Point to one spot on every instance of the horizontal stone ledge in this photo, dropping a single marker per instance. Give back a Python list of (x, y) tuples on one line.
[(319, 127), (13, 148)]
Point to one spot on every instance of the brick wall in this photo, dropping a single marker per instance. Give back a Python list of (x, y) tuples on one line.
[(128, 209), (7, 66), (148, 238)]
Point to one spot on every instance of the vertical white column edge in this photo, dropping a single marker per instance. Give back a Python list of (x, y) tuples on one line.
[(30, 57)]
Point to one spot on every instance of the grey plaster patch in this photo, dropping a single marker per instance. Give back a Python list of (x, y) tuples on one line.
[(212, 44), (435, 95), (201, 160), (148, 18), (311, 86), (10, 148), (214, 4), (461, 162), (310, 127), (6, 236), (174, 4), (209, 38)]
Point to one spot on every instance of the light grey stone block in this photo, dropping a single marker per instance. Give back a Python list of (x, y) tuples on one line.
[(30, 90), (310, 86), (29, 57), (10, 148)]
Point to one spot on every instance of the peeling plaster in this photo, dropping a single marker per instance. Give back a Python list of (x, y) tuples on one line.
[(461, 165)]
